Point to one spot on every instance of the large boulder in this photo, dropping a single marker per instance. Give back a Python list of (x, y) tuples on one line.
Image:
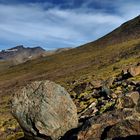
[(44, 110)]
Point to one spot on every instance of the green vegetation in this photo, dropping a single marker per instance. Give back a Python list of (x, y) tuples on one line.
[(99, 60), (79, 65), (9, 127)]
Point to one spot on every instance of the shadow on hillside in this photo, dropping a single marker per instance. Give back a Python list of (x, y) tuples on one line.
[(67, 136), (132, 137), (22, 139)]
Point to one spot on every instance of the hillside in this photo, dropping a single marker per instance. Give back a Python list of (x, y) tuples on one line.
[(84, 60), (128, 31), (20, 54), (99, 60)]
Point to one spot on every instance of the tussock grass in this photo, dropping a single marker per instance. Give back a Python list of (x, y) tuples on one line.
[(80, 64)]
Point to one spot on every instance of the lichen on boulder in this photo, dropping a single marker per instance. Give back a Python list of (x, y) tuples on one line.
[(44, 110)]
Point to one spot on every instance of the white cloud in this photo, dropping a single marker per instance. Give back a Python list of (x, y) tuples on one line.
[(54, 27)]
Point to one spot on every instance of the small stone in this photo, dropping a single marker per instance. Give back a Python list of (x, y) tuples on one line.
[(114, 96), (134, 71), (124, 129), (138, 106), (134, 96), (96, 84), (124, 102)]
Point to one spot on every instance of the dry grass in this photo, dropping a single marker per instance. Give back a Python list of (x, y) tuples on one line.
[(83, 63)]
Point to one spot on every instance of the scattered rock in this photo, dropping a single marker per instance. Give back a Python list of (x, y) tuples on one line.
[(96, 93), (118, 106), (113, 96), (105, 91), (44, 110), (89, 111), (98, 127), (96, 84), (106, 109), (124, 102), (80, 88), (124, 128), (134, 70), (138, 106), (134, 96), (110, 81)]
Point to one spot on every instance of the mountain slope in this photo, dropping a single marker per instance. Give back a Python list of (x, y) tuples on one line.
[(100, 59), (88, 59), (127, 31)]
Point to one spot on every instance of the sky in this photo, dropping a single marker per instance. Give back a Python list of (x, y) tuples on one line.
[(55, 24)]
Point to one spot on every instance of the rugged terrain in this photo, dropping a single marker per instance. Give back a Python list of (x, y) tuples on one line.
[(81, 71), (20, 54)]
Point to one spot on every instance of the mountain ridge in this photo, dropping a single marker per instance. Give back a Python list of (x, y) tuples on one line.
[(131, 28), (89, 57), (20, 54), (94, 74)]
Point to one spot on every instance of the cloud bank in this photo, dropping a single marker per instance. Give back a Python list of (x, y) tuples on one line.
[(54, 25)]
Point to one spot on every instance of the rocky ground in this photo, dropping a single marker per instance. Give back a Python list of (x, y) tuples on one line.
[(102, 78), (108, 109)]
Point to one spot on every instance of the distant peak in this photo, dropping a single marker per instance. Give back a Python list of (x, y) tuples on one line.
[(21, 47), (38, 47), (17, 47)]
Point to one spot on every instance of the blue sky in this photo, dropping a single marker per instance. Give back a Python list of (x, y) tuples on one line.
[(61, 23)]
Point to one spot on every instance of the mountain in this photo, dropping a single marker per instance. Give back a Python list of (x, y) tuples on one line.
[(112, 50), (20, 54), (82, 70), (127, 31), (56, 51)]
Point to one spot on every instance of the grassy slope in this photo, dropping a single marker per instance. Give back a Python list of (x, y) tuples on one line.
[(72, 64), (77, 64), (97, 60), (121, 43)]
